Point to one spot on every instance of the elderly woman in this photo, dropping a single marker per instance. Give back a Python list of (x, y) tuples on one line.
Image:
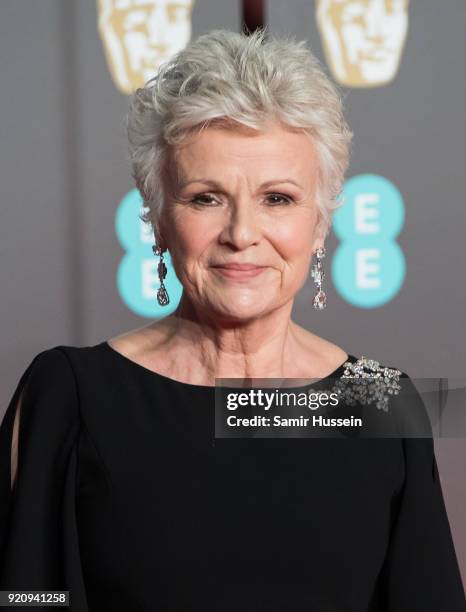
[(116, 488)]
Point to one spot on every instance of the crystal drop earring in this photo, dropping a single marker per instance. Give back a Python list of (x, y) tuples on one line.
[(162, 294), (318, 274)]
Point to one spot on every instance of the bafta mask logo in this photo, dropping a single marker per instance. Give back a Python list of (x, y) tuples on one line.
[(363, 39), (140, 35)]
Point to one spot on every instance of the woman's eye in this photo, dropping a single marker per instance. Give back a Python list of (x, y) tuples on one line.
[(279, 198), (204, 199)]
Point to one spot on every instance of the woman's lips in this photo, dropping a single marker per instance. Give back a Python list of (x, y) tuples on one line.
[(239, 272)]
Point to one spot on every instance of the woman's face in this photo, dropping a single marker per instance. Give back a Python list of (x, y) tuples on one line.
[(238, 196)]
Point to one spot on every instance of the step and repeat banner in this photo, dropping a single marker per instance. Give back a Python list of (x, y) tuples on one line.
[(77, 264)]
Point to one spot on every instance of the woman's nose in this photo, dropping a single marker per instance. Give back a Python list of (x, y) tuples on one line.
[(241, 225)]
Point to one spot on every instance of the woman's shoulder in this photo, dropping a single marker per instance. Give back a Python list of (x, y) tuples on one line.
[(64, 368), (369, 367), (393, 390), (61, 361), (49, 366), (45, 400), (360, 365), (78, 366)]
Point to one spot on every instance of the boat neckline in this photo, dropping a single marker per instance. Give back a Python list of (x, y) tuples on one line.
[(156, 375)]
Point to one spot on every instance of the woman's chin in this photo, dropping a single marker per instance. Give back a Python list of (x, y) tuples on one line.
[(242, 308)]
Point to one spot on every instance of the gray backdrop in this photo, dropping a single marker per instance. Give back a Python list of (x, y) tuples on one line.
[(64, 169)]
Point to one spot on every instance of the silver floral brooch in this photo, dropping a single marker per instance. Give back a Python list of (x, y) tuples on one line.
[(366, 381)]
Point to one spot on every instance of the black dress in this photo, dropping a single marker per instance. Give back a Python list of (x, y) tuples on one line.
[(125, 498)]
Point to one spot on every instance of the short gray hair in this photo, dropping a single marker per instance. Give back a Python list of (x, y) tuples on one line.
[(248, 79)]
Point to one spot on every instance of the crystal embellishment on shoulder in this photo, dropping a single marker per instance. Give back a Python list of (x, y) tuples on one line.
[(366, 381)]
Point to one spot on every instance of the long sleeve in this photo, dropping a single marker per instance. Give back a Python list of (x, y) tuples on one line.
[(420, 571), (39, 547)]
